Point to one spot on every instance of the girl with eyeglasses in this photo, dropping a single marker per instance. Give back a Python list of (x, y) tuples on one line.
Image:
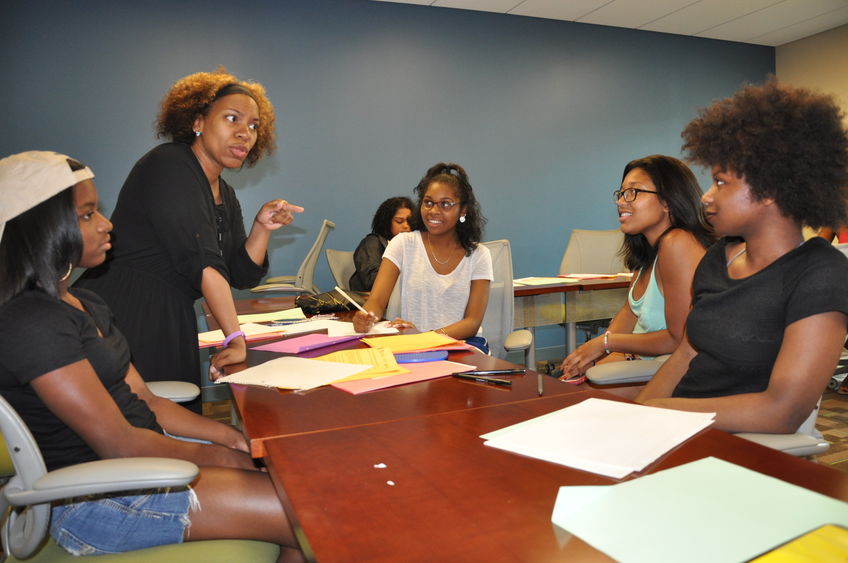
[(665, 236), (769, 311), (444, 274)]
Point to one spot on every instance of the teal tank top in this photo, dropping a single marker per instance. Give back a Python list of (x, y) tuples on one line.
[(650, 308)]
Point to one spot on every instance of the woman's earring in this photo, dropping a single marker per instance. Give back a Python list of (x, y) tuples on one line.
[(462, 219), (68, 273), (197, 133)]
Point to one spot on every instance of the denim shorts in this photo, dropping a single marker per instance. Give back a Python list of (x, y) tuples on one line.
[(100, 525)]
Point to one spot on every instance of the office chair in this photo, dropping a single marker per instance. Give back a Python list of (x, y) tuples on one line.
[(30, 489), (593, 252), (302, 282), (498, 319), (177, 391), (635, 371), (341, 266), (806, 441)]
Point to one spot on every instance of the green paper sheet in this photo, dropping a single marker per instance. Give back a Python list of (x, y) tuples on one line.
[(706, 511)]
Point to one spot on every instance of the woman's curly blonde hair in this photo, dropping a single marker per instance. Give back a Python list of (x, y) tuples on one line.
[(193, 95)]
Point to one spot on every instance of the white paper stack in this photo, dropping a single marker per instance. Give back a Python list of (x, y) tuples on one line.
[(606, 437)]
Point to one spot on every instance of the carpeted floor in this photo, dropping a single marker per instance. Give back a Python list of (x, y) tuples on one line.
[(832, 423)]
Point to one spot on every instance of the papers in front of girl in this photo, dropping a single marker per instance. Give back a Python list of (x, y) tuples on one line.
[(611, 438), (291, 372)]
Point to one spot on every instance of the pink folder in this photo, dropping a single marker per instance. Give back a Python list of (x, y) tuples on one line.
[(305, 343), (418, 372)]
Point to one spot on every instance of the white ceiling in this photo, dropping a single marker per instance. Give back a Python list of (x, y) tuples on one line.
[(761, 22)]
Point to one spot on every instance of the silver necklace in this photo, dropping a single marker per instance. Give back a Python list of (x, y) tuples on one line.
[(737, 255), (430, 246)]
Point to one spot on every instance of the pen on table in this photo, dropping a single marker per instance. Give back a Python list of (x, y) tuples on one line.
[(354, 303), (284, 322), (514, 371), (482, 379)]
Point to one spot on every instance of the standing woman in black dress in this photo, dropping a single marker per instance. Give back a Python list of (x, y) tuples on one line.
[(178, 228)]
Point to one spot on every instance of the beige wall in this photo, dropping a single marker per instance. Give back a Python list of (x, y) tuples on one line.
[(819, 62)]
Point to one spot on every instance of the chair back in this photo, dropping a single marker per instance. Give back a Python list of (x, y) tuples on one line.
[(341, 266), (498, 319), (23, 531), (593, 252), (306, 272)]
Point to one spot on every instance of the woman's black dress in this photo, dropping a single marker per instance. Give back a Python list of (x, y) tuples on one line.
[(167, 229)]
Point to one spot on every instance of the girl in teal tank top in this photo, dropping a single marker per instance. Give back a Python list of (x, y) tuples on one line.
[(650, 308), (665, 236)]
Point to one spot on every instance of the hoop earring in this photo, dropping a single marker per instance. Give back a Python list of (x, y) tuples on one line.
[(462, 219), (68, 273)]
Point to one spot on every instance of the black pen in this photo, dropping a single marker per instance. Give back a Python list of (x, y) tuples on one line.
[(513, 371), (479, 379)]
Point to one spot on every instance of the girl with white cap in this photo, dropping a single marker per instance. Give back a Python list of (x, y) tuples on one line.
[(66, 369)]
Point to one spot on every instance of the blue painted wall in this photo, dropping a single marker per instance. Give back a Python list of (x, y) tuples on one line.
[(543, 114)]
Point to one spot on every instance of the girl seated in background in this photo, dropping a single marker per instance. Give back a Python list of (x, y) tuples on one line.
[(443, 271), (768, 319), (665, 236), (66, 370), (391, 218)]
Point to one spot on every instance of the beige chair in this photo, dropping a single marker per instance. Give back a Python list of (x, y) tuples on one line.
[(341, 266), (591, 252), (177, 391), (498, 319), (635, 371), (29, 490), (302, 282), (806, 441)]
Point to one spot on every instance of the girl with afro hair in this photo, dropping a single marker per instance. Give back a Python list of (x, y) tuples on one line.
[(768, 318)]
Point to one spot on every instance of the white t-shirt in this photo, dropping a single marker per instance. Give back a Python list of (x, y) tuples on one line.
[(428, 299)]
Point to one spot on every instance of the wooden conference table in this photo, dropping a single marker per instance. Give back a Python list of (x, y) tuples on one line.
[(401, 474)]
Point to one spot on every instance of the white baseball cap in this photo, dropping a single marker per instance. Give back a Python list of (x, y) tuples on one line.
[(29, 178)]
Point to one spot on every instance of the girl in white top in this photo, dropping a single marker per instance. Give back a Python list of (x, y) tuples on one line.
[(444, 273)]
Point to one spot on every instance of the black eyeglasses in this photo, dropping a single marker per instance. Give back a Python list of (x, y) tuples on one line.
[(629, 194), (445, 204)]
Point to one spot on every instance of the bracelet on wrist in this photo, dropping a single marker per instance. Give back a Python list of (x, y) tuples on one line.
[(232, 336), (606, 343)]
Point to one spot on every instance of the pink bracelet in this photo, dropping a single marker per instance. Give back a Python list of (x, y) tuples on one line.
[(230, 337)]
